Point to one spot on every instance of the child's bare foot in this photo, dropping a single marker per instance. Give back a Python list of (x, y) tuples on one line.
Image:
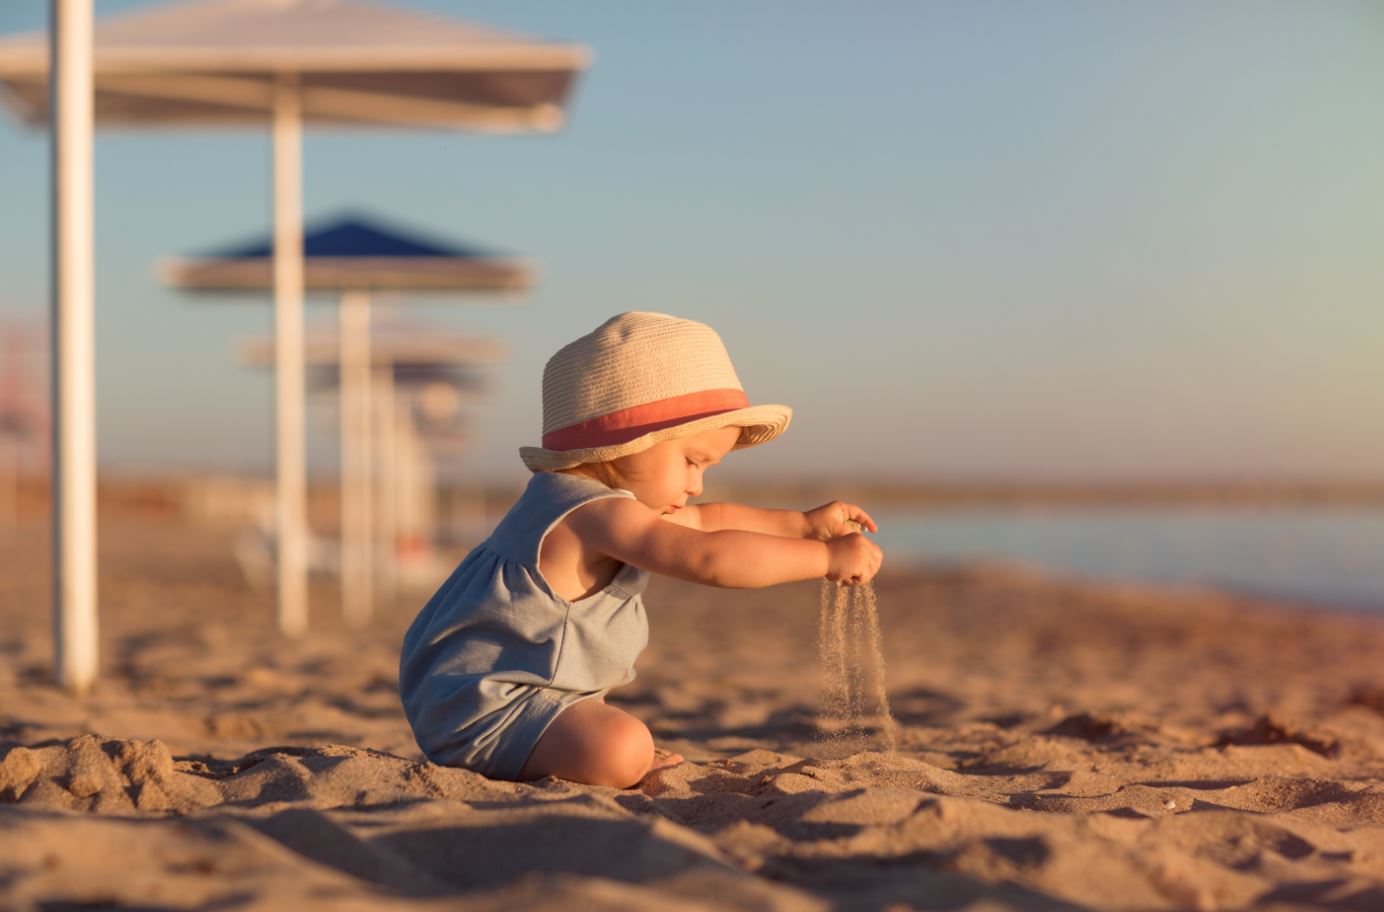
[(664, 759), (652, 783)]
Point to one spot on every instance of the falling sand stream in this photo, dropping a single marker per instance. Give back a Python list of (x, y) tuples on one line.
[(855, 700)]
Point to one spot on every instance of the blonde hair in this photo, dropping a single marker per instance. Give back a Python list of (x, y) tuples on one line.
[(604, 472)]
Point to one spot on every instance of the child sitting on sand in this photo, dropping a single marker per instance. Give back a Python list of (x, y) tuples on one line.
[(506, 668)]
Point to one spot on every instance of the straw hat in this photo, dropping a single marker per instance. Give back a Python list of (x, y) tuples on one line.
[(639, 379)]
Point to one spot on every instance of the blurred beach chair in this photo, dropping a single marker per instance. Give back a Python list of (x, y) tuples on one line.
[(416, 565), (255, 549)]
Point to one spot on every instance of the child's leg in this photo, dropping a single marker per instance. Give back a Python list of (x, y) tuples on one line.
[(597, 744)]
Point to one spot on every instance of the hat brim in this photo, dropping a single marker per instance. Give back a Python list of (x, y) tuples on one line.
[(758, 424)]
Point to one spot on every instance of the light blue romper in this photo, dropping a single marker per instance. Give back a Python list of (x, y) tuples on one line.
[(495, 654)]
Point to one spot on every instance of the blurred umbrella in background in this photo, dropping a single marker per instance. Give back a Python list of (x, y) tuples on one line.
[(353, 255), (421, 373), (254, 63)]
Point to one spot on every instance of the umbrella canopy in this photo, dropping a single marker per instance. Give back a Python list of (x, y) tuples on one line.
[(388, 346), (468, 378), (217, 61), (354, 251)]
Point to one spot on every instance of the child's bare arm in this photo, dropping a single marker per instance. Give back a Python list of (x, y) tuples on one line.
[(715, 517), (823, 523), (731, 558)]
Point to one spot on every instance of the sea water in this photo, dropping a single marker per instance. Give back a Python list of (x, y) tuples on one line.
[(1332, 556)]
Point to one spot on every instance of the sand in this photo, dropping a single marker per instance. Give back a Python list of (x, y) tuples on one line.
[(854, 705), (1060, 745)]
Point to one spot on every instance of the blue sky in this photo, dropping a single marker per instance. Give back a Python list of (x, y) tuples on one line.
[(1055, 240)]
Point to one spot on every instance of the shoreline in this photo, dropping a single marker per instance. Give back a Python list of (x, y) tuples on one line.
[(1264, 599)]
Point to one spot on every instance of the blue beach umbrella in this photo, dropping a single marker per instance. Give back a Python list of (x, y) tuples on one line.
[(354, 251), (353, 255)]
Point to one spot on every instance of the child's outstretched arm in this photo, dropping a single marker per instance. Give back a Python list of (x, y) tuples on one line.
[(731, 558), (823, 523)]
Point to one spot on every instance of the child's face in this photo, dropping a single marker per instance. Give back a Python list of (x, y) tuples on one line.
[(665, 475)]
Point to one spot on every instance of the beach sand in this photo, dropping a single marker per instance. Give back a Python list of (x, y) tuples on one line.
[(1060, 745)]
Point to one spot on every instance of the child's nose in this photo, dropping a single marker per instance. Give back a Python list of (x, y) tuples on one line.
[(694, 486)]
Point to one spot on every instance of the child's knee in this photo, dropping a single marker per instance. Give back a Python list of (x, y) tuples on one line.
[(629, 751), (593, 743)]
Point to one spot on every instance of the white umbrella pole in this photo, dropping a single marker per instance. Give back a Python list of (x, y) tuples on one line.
[(290, 443), (357, 587), (386, 435), (74, 384), (427, 494), (408, 469)]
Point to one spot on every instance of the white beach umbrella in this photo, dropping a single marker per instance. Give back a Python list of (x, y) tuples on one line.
[(253, 63)]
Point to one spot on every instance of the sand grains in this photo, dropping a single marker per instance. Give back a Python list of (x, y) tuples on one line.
[(855, 700)]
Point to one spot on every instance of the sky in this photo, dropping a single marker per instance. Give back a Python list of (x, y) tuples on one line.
[(973, 240)]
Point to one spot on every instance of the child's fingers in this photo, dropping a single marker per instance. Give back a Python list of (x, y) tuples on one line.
[(857, 515)]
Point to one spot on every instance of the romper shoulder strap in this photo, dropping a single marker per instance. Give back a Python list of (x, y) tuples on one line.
[(548, 498)]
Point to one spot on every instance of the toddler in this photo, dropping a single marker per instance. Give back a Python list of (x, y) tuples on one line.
[(506, 668)]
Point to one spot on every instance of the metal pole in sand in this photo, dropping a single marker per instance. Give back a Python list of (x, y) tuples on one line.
[(290, 436), (357, 585), (386, 435), (418, 486), (74, 387), (427, 491), (406, 481)]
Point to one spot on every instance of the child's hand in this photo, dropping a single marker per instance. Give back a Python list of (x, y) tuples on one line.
[(830, 521), (853, 559)]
